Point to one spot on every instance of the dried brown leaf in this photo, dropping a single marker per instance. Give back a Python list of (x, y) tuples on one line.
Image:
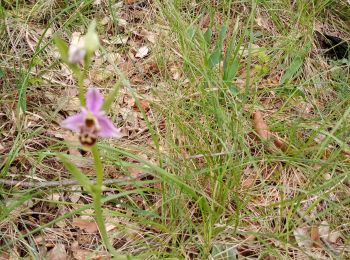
[(175, 74), (130, 2), (57, 253), (78, 253), (263, 131), (260, 126), (144, 104), (205, 22), (249, 178), (134, 171), (315, 236), (4, 256), (86, 225), (335, 237), (150, 36)]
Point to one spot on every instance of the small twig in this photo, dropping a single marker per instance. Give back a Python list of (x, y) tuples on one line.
[(50, 184), (199, 156)]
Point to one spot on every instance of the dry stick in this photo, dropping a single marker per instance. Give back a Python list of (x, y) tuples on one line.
[(50, 184), (199, 156)]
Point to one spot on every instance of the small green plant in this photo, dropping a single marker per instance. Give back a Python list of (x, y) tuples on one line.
[(91, 123)]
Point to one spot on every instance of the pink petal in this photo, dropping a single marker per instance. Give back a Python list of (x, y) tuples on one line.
[(94, 100), (74, 122), (107, 127)]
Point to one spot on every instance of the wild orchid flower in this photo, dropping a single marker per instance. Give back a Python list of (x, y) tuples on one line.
[(91, 122)]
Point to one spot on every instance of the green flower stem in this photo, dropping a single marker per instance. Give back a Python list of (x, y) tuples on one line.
[(81, 77), (97, 196)]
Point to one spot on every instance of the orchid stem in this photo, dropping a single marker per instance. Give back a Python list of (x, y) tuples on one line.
[(97, 196), (81, 77)]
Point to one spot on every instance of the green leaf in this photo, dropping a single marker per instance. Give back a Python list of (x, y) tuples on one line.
[(112, 95), (230, 70), (190, 32), (62, 48), (292, 69), (207, 36), (77, 174), (290, 90), (234, 90), (231, 64), (215, 57)]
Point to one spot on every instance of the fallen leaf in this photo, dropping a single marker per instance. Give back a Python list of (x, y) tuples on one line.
[(150, 36), (88, 226), (75, 196), (79, 253), (118, 40), (263, 131), (122, 22), (57, 253), (323, 230), (1, 148), (142, 52), (205, 22), (151, 68), (175, 72), (114, 58), (130, 2), (260, 126), (54, 196), (105, 20), (144, 104), (248, 178), (134, 171), (302, 237), (4, 256), (222, 251), (334, 237), (315, 236), (262, 21)]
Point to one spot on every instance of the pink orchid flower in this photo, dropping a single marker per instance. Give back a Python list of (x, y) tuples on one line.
[(91, 122)]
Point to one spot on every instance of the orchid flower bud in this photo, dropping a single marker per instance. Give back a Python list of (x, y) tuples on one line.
[(91, 40)]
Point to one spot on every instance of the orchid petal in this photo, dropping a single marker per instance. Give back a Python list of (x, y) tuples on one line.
[(74, 122), (107, 129), (94, 100), (75, 54)]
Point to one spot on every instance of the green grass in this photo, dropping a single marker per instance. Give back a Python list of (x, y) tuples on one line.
[(217, 190)]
